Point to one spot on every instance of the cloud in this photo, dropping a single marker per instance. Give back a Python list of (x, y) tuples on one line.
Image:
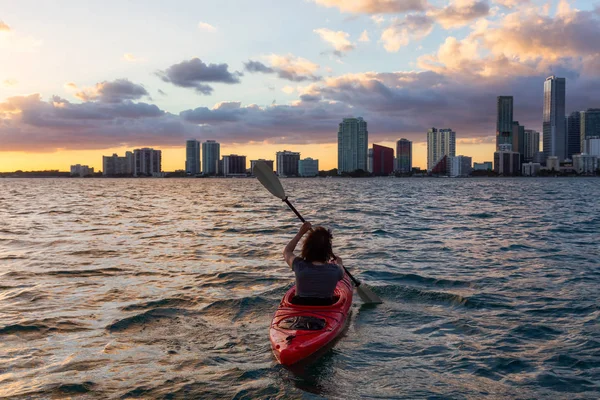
[(512, 3), (111, 92), (289, 67), (378, 19), (460, 12), (402, 31), (131, 58), (206, 27), (4, 27), (288, 90), (10, 82), (374, 6), (194, 73), (339, 40), (71, 86), (364, 37)]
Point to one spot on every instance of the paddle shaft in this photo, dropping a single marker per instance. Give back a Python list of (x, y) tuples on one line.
[(291, 206)]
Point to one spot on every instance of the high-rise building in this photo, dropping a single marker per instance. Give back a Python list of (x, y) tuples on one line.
[(592, 146), (590, 126), (484, 166), (573, 134), (353, 139), (287, 163), (555, 137), (192, 157), (531, 144), (211, 154), (518, 139), (253, 163), (383, 160), (440, 143), (585, 163), (553, 163), (370, 161), (506, 161), (460, 166), (504, 120), (147, 162), (234, 165), (404, 156), (530, 169), (308, 167), (118, 166), (81, 170)]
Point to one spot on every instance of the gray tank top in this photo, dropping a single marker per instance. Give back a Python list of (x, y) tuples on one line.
[(316, 280)]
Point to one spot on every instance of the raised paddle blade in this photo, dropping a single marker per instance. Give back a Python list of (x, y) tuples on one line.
[(265, 175), (367, 295)]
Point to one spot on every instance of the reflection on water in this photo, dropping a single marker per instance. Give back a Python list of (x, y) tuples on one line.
[(165, 288)]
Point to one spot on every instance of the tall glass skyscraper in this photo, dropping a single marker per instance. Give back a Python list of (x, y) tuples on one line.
[(404, 156), (440, 143), (590, 126), (353, 139), (504, 120), (554, 127), (211, 153), (573, 134), (192, 157)]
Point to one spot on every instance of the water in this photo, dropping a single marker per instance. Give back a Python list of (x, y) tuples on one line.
[(166, 288)]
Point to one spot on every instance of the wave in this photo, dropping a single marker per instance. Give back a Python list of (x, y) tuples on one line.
[(141, 320), (168, 303), (110, 271), (240, 309), (418, 279)]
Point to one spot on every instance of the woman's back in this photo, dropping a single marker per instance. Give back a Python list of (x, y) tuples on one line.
[(316, 280)]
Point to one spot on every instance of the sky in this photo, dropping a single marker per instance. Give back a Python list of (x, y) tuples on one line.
[(79, 80)]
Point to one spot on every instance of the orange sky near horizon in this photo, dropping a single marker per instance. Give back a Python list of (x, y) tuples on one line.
[(174, 157)]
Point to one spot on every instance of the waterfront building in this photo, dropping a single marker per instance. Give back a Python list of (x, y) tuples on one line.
[(460, 166), (554, 125), (147, 162), (539, 157), (383, 160), (484, 166), (370, 161), (573, 134), (308, 167), (518, 139), (504, 120), (404, 156), (585, 163), (440, 143), (287, 163), (442, 167), (592, 145), (589, 126), (506, 161), (353, 139), (211, 155), (234, 165), (531, 144), (81, 170), (531, 169), (192, 157), (118, 166), (253, 163), (553, 163)]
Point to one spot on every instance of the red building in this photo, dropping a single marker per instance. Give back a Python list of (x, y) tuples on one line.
[(383, 160)]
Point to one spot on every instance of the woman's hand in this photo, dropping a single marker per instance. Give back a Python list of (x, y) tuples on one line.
[(338, 260), (307, 226)]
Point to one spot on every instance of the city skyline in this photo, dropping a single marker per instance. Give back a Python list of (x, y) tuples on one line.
[(280, 85)]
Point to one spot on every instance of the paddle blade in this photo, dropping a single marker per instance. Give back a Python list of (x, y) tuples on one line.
[(367, 295), (269, 180)]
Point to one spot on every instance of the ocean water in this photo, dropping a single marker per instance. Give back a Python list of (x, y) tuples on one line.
[(165, 288)]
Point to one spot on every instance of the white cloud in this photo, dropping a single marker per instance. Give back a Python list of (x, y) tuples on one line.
[(339, 40), (288, 90), (205, 26), (402, 31), (364, 37)]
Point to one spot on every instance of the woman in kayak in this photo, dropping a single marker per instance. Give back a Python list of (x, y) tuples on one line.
[(317, 271)]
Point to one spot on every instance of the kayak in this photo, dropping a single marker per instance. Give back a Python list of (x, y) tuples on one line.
[(298, 331)]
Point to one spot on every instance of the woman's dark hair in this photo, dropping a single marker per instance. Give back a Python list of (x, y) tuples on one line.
[(317, 245)]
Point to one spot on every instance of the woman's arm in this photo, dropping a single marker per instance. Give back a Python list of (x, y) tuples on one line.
[(288, 252)]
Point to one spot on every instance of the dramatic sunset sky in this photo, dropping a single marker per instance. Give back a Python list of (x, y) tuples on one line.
[(79, 79)]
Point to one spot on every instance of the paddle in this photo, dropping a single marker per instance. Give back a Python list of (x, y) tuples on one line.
[(271, 182)]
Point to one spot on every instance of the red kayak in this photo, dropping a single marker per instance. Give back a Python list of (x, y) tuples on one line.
[(297, 331)]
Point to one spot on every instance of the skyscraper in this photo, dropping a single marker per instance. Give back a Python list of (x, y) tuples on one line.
[(518, 138), (211, 153), (440, 143), (192, 157), (504, 120), (118, 166), (308, 167), (147, 162), (573, 134), (506, 161), (287, 163), (531, 144), (234, 165), (404, 156), (555, 137), (353, 139), (383, 160), (590, 126), (253, 163)]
